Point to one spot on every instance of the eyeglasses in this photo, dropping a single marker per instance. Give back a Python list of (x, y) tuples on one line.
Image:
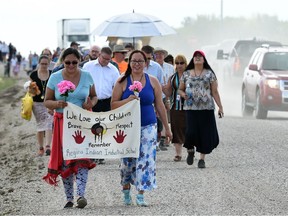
[(181, 63), (106, 59), (69, 62), (137, 62)]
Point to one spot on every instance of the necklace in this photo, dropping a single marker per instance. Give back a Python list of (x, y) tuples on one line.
[(139, 79), (43, 88), (43, 75), (199, 74)]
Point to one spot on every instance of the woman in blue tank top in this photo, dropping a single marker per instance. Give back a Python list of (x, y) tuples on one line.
[(141, 171)]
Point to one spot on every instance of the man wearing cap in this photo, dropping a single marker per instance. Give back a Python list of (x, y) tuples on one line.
[(119, 54), (168, 69), (74, 45), (130, 48)]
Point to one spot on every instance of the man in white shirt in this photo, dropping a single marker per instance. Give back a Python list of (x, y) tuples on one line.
[(105, 76), (152, 67)]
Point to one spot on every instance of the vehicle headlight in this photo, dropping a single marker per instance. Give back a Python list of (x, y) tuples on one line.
[(272, 83)]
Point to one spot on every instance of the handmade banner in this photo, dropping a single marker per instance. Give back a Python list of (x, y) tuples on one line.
[(112, 134)]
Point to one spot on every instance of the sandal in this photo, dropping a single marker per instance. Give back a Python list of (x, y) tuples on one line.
[(48, 151), (177, 158)]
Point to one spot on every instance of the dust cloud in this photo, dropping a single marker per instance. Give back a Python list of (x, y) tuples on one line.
[(211, 34), (229, 87)]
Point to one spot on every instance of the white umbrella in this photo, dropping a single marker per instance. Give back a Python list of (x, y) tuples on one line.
[(133, 25)]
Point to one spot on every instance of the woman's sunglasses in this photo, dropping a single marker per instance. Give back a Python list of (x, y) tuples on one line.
[(181, 63), (69, 62)]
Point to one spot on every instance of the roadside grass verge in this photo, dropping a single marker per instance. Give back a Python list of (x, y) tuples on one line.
[(6, 83)]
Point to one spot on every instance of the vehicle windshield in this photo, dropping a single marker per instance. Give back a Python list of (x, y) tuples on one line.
[(78, 38), (275, 61), (246, 50)]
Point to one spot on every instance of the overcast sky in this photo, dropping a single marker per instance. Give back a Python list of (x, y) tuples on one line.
[(31, 25)]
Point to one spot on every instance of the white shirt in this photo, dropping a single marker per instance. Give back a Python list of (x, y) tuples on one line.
[(104, 77), (13, 62), (5, 48), (155, 69), (168, 70)]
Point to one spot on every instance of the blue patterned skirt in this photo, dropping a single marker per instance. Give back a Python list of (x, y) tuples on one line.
[(141, 171)]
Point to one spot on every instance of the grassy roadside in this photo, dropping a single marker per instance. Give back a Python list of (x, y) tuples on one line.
[(6, 83)]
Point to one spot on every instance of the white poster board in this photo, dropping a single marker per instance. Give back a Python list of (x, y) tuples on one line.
[(112, 134)]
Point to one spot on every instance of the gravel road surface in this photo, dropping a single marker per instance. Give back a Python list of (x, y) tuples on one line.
[(246, 174)]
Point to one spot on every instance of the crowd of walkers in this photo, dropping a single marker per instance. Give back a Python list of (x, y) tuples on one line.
[(10, 58), (178, 102)]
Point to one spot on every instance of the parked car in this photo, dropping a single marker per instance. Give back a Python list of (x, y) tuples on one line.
[(265, 82), (238, 57)]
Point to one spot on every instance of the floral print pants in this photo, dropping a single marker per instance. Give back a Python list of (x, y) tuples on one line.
[(141, 171), (81, 180)]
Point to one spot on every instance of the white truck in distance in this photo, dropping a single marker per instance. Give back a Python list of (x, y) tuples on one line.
[(73, 30)]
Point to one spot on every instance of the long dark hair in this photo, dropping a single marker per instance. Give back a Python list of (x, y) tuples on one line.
[(129, 70), (191, 65)]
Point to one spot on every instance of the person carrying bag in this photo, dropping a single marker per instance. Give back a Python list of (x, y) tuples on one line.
[(26, 107)]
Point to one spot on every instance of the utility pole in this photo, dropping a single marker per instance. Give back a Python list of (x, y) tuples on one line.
[(221, 11), (221, 20)]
